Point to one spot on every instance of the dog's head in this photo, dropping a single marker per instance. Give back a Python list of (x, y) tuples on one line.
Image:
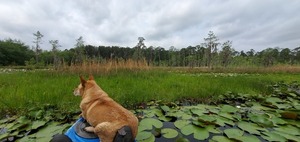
[(84, 84)]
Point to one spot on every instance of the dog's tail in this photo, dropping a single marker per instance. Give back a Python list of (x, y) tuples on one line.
[(124, 135)]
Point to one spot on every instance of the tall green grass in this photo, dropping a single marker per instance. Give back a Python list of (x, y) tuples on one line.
[(20, 91)]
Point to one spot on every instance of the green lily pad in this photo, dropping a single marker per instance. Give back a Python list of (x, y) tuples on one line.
[(258, 107), (169, 133), (295, 123), (278, 121), (143, 128), (165, 108), (271, 136), (221, 139), (221, 121), (226, 115), (288, 136), (233, 133), (188, 129), (4, 136), (38, 124), (250, 127), (213, 110), (199, 133), (22, 124), (260, 119), (7, 135), (250, 138), (289, 130), (212, 129), (283, 106), (181, 123), (152, 112), (273, 100), (143, 135), (186, 116), (207, 118), (148, 123), (46, 133), (229, 109), (8, 120), (164, 118), (180, 114), (199, 112)]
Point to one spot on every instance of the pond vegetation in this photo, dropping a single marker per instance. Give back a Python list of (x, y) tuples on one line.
[(172, 105)]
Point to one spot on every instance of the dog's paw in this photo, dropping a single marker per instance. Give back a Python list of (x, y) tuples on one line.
[(89, 129)]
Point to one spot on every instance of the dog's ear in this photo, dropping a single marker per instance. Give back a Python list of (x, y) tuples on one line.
[(83, 81), (91, 77)]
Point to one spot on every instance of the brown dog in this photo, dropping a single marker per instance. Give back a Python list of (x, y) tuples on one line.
[(105, 115)]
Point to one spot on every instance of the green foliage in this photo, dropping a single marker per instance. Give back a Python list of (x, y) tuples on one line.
[(248, 123), (39, 124), (236, 116), (203, 55), (14, 52), (133, 88)]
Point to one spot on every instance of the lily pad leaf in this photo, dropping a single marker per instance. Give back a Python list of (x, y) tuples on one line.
[(152, 112), (212, 129), (271, 136), (3, 136), (143, 135), (233, 133), (38, 124), (207, 118), (181, 123), (179, 114), (143, 128), (182, 140), (260, 119), (289, 130), (278, 121), (46, 133), (273, 100), (283, 106), (199, 133), (169, 133), (198, 112), (250, 138), (229, 109), (165, 108), (188, 129), (226, 115), (186, 116), (221, 139), (164, 118), (288, 136), (250, 127), (221, 121), (149, 122)]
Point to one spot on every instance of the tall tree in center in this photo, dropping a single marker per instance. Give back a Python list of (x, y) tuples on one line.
[(211, 44), (37, 40)]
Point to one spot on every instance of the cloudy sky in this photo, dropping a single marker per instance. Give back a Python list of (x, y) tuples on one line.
[(249, 24)]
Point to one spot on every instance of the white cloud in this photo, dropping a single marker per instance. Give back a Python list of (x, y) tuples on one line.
[(249, 23)]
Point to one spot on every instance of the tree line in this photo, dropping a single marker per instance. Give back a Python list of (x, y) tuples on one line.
[(210, 53)]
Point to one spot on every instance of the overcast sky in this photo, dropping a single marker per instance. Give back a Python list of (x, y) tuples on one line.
[(249, 24)]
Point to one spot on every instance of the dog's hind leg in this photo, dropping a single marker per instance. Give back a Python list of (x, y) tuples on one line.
[(105, 131)]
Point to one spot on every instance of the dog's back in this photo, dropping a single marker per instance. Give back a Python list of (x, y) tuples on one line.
[(106, 115)]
